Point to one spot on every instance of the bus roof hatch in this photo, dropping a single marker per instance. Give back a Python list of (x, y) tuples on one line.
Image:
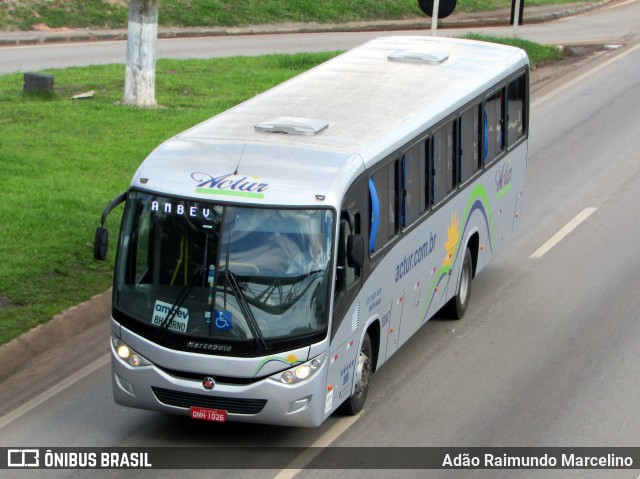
[(419, 56), (292, 126)]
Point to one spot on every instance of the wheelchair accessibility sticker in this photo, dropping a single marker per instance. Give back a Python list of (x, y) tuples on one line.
[(223, 320)]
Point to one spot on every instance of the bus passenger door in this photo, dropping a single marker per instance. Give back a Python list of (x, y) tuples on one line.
[(395, 317)]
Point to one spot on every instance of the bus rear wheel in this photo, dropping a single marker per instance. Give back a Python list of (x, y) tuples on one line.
[(363, 373), (457, 306)]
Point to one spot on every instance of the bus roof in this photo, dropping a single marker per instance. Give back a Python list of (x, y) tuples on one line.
[(316, 131)]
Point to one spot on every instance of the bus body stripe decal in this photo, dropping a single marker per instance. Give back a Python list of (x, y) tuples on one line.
[(478, 201)]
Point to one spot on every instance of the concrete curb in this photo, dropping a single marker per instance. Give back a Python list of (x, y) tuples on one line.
[(63, 326)]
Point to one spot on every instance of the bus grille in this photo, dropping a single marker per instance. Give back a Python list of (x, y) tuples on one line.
[(231, 405)]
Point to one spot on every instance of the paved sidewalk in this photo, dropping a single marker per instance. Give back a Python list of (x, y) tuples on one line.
[(532, 14)]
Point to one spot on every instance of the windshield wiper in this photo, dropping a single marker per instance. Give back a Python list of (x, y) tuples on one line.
[(230, 277)]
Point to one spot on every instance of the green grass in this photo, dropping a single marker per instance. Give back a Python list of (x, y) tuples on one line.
[(485, 5), (63, 160), (538, 54), (25, 14)]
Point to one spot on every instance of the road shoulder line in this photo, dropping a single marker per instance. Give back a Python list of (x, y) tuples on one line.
[(564, 232), (61, 386)]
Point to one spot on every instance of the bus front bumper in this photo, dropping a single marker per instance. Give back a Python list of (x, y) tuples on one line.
[(265, 401)]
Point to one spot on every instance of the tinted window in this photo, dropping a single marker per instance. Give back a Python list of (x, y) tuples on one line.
[(383, 191), (493, 119), (414, 183), (444, 178), (469, 143), (516, 109)]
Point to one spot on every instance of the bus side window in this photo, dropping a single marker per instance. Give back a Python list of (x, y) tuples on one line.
[(493, 119), (469, 143), (413, 178), (425, 177), (374, 216), (380, 205), (444, 169), (394, 216), (516, 127), (383, 199)]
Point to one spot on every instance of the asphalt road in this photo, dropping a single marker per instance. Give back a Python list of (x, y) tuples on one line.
[(546, 356)]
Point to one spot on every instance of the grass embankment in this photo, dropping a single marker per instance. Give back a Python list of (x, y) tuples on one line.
[(63, 160), (538, 54), (28, 14)]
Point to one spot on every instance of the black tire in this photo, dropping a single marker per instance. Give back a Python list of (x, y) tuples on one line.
[(363, 372), (457, 306)]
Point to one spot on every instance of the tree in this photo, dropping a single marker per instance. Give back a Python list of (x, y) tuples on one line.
[(140, 72)]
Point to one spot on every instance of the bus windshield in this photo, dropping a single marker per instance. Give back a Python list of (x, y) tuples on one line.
[(229, 273)]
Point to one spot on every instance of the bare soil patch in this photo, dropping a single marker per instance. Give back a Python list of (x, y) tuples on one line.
[(574, 57), (5, 303)]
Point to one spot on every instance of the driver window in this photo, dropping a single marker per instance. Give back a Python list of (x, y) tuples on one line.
[(350, 275)]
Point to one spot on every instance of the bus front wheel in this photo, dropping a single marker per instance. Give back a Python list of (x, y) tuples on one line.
[(363, 373)]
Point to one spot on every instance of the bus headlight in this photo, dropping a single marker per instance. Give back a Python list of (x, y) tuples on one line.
[(127, 354), (301, 372)]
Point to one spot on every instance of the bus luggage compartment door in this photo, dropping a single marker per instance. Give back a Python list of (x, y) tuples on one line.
[(393, 340)]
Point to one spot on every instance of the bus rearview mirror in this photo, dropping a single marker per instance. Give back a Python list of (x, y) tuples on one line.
[(100, 243)]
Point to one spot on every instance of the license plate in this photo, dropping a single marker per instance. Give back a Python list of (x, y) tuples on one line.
[(205, 414)]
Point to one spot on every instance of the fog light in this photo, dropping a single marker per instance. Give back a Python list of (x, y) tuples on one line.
[(124, 385), (299, 404)]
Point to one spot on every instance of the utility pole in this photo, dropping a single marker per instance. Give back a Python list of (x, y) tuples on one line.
[(517, 11), (140, 70), (437, 9), (434, 17)]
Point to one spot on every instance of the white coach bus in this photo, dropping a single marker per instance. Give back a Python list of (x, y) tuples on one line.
[(273, 257)]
